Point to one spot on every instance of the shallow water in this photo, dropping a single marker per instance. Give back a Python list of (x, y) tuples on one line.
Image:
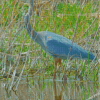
[(34, 88)]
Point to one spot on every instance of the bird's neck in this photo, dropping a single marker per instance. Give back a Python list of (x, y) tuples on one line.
[(33, 34)]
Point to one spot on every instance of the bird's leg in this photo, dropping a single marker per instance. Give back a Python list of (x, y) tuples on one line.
[(59, 60), (55, 60), (64, 75)]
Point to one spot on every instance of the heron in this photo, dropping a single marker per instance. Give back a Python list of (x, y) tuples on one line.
[(55, 45)]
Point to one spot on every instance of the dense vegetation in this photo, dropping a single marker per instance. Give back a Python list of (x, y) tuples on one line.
[(64, 19)]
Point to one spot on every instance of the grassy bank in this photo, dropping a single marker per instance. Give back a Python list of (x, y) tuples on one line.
[(76, 22)]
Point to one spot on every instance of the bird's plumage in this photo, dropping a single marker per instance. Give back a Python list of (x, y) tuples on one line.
[(60, 47)]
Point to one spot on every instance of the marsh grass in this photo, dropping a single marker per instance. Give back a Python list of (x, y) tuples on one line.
[(19, 54)]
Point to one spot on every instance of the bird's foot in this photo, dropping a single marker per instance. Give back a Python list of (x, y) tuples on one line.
[(64, 77), (54, 78)]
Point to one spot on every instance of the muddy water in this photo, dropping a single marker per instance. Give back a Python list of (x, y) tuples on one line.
[(47, 89)]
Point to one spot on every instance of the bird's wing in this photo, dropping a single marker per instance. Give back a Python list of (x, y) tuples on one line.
[(59, 46)]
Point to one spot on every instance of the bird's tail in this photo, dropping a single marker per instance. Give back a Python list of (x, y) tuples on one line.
[(91, 56)]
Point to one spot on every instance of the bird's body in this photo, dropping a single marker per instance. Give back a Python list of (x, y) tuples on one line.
[(61, 47), (55, 45)]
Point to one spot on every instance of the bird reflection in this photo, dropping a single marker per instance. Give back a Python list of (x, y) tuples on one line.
[(58, 96)]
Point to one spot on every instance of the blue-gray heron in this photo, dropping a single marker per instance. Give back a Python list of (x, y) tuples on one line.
[(55, 45)]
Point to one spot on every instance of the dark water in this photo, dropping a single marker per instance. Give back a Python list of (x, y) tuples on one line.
[(47, 89)]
